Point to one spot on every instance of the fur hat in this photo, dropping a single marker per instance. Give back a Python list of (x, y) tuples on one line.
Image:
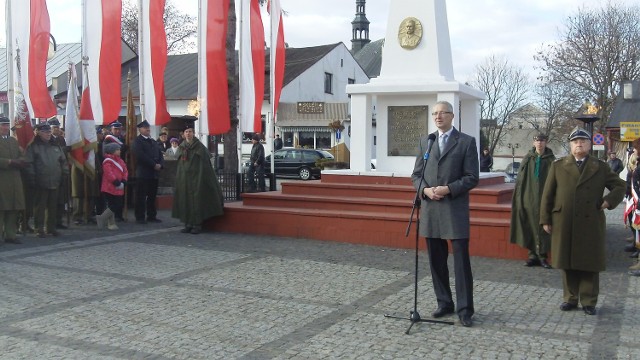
[(110, 148)]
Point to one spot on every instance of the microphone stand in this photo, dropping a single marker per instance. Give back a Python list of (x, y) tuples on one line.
[(414, 316)]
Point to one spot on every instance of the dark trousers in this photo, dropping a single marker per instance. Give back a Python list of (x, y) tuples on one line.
[(114, 202), (583, 286), (256, 172), (146, 192), (438, 255), (45, 209)]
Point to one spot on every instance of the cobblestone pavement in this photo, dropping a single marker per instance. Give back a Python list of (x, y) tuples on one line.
[(148, 291)]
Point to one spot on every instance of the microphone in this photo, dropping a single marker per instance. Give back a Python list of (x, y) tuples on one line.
[(430, 141)]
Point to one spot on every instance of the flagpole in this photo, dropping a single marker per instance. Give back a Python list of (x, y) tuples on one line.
[(272, 86), (141, 61), (10, 89), (240, 114)]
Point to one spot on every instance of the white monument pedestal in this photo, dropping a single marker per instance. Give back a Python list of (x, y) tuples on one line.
[(414, 74)]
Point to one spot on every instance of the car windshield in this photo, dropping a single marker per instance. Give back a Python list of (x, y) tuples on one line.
[(326, 154)]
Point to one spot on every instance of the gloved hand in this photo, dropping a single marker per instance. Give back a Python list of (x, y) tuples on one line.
[(120, 187), (117, 183)]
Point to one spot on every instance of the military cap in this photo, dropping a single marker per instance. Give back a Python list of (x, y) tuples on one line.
[(579, 133), (541, 137), (43, 127), (53, 122), (144, 123), (116, 125), (189, 125)]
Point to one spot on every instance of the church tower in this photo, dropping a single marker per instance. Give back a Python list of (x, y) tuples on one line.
[(360, 28)]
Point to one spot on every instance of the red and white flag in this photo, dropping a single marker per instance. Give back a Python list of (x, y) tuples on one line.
[(153, 61), (88, 129), (212, 67), (72, 133), (277, 55), (252, 64), (102, 47), (29, 44)]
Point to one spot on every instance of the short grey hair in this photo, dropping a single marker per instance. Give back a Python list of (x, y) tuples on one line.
[(447, 104)]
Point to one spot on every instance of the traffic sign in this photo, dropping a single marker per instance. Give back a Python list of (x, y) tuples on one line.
[(338, 134), (598, 139)]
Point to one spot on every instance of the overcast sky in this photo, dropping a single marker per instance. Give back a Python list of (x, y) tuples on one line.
[(478, 28)]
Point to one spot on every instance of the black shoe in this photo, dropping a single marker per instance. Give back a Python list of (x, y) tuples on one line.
[(635, 255), (466, 321), (154, 220), (13, 241), (186, 230), (40, 234), (78, 222), (545, 264), (60, 226), (565, 306), (53, 233), (532, 262), (141, 221), (440, 312), (589, 310), (630, 248), (195, 231)]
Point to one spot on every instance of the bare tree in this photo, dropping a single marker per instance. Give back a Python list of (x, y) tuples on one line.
[(180, 27), (506, 88), (231, 138), (598, 49)]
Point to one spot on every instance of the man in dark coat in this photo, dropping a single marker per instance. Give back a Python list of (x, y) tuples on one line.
[(11, 192), (149, 162), (614, 163), (46, 167), (57, 137), (526, 230), (572, 211), (256, 166), (197, 194), (277, 143), (486, 161), (451, 171)]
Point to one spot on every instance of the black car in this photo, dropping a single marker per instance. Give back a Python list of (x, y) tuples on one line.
[(296, 162)]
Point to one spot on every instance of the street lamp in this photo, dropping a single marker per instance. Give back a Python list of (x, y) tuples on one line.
[(513, 148), (588, 114)]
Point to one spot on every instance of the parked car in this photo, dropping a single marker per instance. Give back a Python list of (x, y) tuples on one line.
[(297, 162), (512, 172)]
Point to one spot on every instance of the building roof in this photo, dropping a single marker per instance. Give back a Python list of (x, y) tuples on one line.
[(55, 67), (370, 58), (180, 81), (626, 110)]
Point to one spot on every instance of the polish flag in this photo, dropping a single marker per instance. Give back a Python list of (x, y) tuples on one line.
[(88, 128), (73, 133), (277, 57), (29, 41), (101, 45), (212, 67), (251, 67), (153, 61)]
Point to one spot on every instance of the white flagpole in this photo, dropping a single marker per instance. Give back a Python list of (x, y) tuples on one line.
[(199, 44), (240, 71), (140, 64), (271, 124), (10, 64)]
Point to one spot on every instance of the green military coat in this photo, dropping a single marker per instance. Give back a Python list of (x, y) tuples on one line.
[(526, 230), (197, 195), (571, 204), (11, 190)]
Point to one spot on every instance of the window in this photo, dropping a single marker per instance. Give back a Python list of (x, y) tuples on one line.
[(351, 81), (328, 83)]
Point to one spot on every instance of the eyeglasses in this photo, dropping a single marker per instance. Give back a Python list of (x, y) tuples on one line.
[(441, 113)]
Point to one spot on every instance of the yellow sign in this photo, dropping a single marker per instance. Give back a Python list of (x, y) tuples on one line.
[(629, 131)]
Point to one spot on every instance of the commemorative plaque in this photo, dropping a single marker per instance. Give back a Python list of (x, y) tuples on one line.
[(407, 124)]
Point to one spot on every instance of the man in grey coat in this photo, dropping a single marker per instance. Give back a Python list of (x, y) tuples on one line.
[(444, 182)]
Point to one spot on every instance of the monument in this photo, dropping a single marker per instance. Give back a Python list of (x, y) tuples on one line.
[(417, 72)]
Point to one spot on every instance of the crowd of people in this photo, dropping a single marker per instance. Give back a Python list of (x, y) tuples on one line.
[(42, 183)]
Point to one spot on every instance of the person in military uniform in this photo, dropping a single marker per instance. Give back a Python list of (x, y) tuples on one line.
[(525, 204), (197, 194), (11, 192), (46, 167), (57, 137), (149, 162), (572, 211)]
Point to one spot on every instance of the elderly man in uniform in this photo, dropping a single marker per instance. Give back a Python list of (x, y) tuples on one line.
[(149, 162), (57, 137), (11, 191), (572, 211)]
